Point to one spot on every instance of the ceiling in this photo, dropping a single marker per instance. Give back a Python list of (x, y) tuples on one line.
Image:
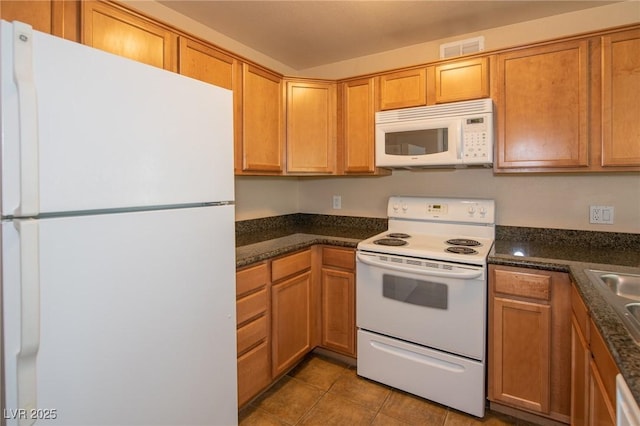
[(306, 33)]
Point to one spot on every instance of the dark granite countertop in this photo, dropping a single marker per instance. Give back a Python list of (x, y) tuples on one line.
[(261, 239), (545, 249)]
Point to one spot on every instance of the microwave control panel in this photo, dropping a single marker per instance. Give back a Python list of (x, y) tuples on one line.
[(477, 138)]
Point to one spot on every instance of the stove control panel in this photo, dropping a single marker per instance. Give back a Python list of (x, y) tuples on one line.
[(437, 209), (470, 210)]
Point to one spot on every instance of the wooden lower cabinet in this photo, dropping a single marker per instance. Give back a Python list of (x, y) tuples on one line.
[(253, 342), (286, 307), (254, 372), (291, 310), (593, 371), (529, 341), (338, 301)]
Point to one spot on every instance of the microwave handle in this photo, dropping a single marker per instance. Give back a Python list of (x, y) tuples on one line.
[(372, 261)]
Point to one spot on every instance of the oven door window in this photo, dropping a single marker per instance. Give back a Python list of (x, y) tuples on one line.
[(415, 291), (417, 142)]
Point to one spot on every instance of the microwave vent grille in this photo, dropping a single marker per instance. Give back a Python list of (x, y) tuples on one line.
[(480, 106)]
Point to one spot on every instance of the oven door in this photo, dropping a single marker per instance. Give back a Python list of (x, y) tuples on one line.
[(435, 304)]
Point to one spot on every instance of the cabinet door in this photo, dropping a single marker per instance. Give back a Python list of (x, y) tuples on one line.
[(259, 147), (358, 130), (542, 107), (402, 89), (338, 311), (601, 411), (620, 105), (462, 80), (520, 364), (311, 127), (580, 357), (114, 30), (59, 18), (204, 63), (291, 321)]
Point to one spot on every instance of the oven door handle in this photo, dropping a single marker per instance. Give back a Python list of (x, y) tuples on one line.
[(466, 274)]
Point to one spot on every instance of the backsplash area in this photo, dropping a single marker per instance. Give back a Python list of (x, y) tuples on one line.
[(513, 240)]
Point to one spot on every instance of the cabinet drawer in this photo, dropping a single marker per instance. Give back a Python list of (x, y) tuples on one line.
[(252, 333), (534, 286), (289, 265), (254, 373), (251, 278), (340, 258), (251, 306), (580, 312)]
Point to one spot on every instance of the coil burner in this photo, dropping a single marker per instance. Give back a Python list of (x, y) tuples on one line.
[(390, 242), (398, 235), (463, 242), (461, 250)]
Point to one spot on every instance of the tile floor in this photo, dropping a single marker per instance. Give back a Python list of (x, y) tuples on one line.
[(323, 391)]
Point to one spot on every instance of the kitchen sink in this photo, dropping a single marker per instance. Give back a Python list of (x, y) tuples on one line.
[(622, 292), (623, 285)]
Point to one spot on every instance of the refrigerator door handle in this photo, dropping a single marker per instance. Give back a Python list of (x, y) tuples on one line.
[(28, 120), (28, 231)]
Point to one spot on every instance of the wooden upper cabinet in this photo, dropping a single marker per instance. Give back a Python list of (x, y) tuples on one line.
[(542, 107), (202, 62), (462, 80), (311, 127), (259, 146), (403, 89), (620, 104), (357, 129), (109, 28), (59, 18)]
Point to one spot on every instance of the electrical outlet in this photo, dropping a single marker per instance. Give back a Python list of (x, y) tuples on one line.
[(337, 202), (601, 214)]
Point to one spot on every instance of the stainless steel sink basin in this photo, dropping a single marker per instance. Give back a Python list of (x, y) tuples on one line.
[(623, 285), (622, 292), (634, 310)]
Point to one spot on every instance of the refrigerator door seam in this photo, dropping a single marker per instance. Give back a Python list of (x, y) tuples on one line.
[(28, 121)]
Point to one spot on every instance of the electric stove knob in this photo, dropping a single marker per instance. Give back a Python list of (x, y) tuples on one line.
[(405, 207), (472, 210), (396, 207), (482, 211)]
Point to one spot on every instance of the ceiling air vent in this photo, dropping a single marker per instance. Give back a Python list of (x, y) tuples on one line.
[(461, 47)]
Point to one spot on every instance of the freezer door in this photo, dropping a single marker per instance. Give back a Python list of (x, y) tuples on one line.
[(135, 319), (83, 130)]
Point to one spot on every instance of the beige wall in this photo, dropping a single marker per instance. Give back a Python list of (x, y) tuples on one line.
[(541, 201), (553, 201)]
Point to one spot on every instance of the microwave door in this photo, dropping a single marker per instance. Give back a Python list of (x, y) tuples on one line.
[(418, 144)]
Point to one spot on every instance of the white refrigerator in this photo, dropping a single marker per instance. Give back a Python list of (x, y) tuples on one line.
[(118, 258)]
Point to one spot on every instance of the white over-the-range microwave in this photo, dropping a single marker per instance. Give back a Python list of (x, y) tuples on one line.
[(456, 134)]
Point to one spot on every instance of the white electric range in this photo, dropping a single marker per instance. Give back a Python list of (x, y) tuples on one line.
[(422, 299)]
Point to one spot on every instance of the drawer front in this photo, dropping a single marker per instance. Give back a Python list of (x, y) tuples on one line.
[(289, 265), (252, 278), (339, 258), (252, 333), (251, 306), (534, 286), (254, 373), (580, 312)]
